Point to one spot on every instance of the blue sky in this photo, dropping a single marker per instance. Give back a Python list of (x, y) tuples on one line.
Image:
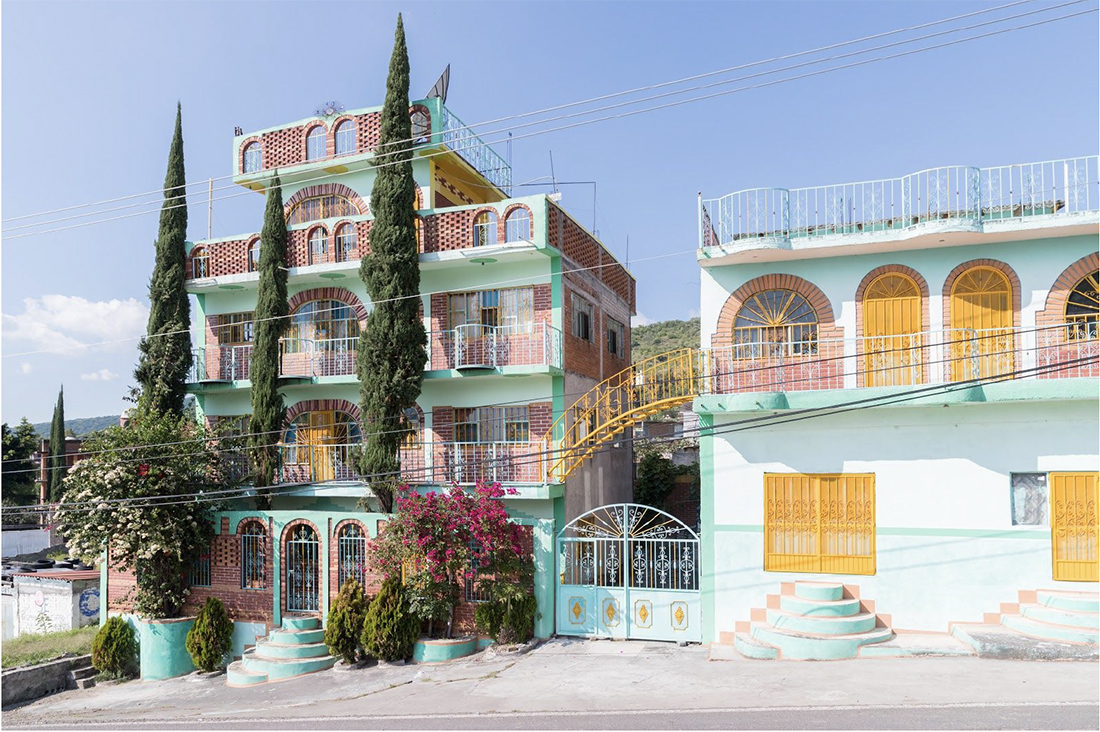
[(89, 92)]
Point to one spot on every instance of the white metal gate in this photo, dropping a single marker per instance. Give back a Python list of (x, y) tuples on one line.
[(628, 571)]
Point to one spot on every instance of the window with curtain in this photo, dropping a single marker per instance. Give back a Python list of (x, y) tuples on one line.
[(315, 143), (253, 157), (492, 424), (513, 309), (254, 255), (345, 243), (517, 226), (345, 137)]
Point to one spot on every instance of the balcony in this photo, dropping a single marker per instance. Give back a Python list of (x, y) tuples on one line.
[(466, 347), (465, 463), (1063, 351), (954, 198)]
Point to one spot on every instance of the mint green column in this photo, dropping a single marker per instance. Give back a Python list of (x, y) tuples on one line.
[(708, 571), (276, 563), (103, 598), (543, 540), (328, 571)]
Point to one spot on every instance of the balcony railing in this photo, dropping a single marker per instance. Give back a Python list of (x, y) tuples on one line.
[(464, 463), (475, 151), (470, 346), (932, 357), (961, 195), (483, 346)]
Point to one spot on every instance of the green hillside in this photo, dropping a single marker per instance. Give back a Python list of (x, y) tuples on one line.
[(667, 335), (81, 426)]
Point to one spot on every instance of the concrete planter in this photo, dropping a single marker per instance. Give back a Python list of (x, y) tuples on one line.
[(164, 647), (437, 650)]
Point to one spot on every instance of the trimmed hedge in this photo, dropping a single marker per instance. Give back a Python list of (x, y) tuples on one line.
[(115, 648), (211, 637), (390, 629), (345, 621)]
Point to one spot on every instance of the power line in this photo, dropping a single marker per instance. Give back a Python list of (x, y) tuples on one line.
[(739, 426), (606, 96), (330, 176)]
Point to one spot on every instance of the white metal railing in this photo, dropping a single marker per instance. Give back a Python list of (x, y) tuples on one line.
[(421, 462), (962, 194), (475, 151), (467, 346), (931, 357)]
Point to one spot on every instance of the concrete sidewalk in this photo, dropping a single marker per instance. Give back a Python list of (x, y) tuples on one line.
[(573, 675)]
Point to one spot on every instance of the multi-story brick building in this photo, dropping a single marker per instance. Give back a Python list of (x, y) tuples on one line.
[(524, 309)]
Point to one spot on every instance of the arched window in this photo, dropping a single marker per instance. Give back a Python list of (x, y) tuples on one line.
[(320, 445), (321, 207), (517, 226), (352, 554), (775, 321), (891, 331), (345, 243), (345, 137), (315, 143), (200, 263), (319, 320), (411, 422), (1083, 309), (253, 556), (254, 255), (485, 229), (421, 124), (981, 324), (318, 245), (253, 157)]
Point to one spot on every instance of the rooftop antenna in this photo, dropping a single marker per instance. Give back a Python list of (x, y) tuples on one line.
[(553, 178), (509, 161), (440, 88), (210, 211), (628, 252)]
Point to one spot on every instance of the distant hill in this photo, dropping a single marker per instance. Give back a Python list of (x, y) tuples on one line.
[(667, 335), (81, 426)]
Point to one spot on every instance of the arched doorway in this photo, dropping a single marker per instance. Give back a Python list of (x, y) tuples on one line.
[(892, 331), (628, 571), (302, 577), (981, 336)]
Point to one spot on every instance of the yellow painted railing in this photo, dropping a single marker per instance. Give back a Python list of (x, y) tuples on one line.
[(618, 402)]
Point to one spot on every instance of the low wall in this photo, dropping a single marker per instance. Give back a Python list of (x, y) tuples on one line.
[(33, 682), (163, 645)]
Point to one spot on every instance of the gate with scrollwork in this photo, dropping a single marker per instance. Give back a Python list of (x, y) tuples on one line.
[(628, 571)]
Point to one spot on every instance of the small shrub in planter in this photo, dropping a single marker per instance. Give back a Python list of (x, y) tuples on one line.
[(115, 649), (389, 629), (345, 621), (211, 637)]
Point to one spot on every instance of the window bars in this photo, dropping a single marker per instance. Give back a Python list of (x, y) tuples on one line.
[(352, 555), (254, 556)]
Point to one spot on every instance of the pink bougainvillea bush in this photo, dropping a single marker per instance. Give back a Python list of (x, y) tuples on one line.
[(432, 538)]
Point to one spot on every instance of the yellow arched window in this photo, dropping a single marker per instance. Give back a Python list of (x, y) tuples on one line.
[(775, 322), (1083, 309), (325, 441), (321, 207), (981, 338), (892, 339)]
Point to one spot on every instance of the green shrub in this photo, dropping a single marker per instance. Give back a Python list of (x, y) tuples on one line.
[(115, 648), (345, 621), (508, 615), (389, 628), (431, 600), (211, 637)]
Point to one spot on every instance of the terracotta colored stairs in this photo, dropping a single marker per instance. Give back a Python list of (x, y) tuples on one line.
[(812, 621), (296, 649)]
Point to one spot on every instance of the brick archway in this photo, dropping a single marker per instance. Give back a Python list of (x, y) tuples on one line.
[(826, 322), (1055, 310), (1008, 272), (319, 567), (338, 294), (327, 189), (874, 274), (322, 405)]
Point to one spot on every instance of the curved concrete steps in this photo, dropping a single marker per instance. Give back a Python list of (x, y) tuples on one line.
[(1051, 631), (1048, 614), (295, 649), (1045, 625), (1086, 602), (816, 646)]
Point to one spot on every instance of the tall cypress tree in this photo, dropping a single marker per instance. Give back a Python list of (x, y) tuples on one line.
[(390, 362), (270, 323), (166, 350), (58, 466)]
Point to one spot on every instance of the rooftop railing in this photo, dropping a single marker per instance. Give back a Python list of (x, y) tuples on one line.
[(475, 151), (962, 195)]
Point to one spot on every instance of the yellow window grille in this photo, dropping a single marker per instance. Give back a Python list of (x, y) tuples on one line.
[(1073, 526), (819, 523), (892, 331), (981, 324), (1083, 309)]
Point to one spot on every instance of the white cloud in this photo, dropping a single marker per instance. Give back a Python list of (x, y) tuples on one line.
[(639, 319), (25, 368), (101, 375), (63, 323)]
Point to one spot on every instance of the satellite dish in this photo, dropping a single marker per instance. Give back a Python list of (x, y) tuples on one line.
[(440, 88), (329, 109)]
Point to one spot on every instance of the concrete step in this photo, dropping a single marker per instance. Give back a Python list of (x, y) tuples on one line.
[(914, 645), (237, 675), (83, 673), (301, 622), (750, 647), (998, 641), (85, 683), (819, 590), (1051, 631), (284, 668), (822, 625), (1050, 614), (267, 649), (1088, 602), (818, 608), (804, 646), (293, 637)]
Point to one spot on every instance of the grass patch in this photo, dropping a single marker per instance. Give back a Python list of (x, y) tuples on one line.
[(38, 647)]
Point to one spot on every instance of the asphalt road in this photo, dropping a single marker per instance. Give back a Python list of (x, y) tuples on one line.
[(1035, 715)]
